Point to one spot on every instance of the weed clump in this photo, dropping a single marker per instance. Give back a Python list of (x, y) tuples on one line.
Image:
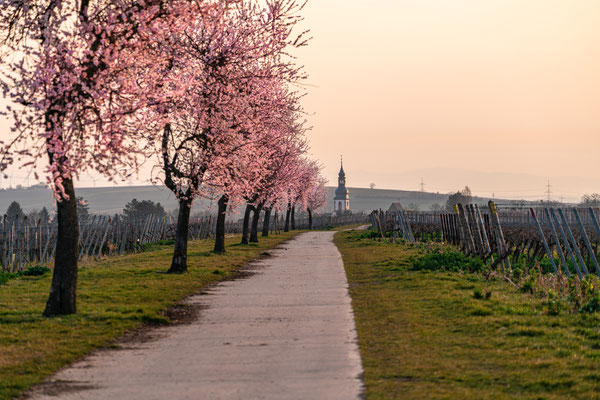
[(570, 295), (479, 294), (31, 271), (38, 270), (453, 261)]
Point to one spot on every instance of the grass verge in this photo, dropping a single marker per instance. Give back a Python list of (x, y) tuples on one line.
[(114, 296), (429, 335)]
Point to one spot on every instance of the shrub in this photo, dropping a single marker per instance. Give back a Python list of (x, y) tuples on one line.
[(7, 276), (528, 285), (546, 265), (447, 261), (590, 296), (481, 295), (369, 234), (572, 295), (554, 304), (38, 270)]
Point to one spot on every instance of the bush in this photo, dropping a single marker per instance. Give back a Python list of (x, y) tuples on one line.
[(528, 285), (38, 270), (590, 296), (573, 296), (555, 303), (370, 234), (480, 295), (447, 261), (7, 276), (546, 265)]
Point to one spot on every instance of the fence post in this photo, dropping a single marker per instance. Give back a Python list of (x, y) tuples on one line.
[(501, 243), (575, 245), (481, 226), (464, 223), (541, 232), (587, 241), (557, 240), (567, 246)]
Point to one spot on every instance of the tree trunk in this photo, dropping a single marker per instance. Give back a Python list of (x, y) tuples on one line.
[(309, 218), (293, 217), (245, 227), (254, 227), (267, 222), (63, 291), (220, 231), (286, 227), (179, 263)]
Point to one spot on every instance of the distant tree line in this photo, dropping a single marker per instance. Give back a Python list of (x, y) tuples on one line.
[(590, 200), (461, 197), (133, 210)]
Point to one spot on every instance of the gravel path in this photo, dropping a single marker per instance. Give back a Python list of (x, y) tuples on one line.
[(286, 332)]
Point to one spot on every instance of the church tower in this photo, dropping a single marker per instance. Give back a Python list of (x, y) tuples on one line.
[(341, 201)]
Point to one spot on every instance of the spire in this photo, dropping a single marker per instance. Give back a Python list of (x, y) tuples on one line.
[(341, 199), (342, 176)]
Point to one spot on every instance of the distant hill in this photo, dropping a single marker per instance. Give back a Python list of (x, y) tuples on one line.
[(503, 184), (112, 200), (362, 199)]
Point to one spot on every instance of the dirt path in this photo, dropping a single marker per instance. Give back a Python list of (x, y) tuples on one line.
[(287, 332)]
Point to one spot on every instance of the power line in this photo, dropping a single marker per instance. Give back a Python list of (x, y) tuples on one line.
[(549, 191), (422, 185)]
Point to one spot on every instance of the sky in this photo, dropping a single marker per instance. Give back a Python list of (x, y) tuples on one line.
[(500, 95)]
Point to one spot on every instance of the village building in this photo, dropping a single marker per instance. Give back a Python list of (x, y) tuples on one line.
[(395, 207), (341, 201)]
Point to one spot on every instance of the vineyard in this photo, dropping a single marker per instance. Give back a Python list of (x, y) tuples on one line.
[(558, 240), (25, 243)]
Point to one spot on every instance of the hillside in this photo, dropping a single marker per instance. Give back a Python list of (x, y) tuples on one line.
[(111, 200), (362, 199)]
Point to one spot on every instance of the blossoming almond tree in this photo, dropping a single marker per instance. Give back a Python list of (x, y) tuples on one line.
[(243, 177), (62, 76), (280, 173), (316, 198), (229, 53), (308, 176)]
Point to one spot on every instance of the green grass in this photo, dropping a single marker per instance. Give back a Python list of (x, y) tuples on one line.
[(114, 296), (426, 335)]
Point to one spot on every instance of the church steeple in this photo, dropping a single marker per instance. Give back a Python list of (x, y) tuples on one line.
[(342, 174), (341, 201)]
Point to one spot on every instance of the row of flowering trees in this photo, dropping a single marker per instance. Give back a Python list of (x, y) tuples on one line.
[(205, 89)]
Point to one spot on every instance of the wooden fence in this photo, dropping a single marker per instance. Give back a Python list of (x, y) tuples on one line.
[(25, 243), (567, 239)]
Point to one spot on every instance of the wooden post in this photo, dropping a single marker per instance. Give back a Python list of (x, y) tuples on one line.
[(499, 235), (474, 227), (557, 241), (567, 246), (574, 242), (541, 232), (484, 237), (467, 235)]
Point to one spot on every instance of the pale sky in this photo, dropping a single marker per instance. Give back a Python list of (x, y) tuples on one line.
[(509, 86), (452, 90)]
